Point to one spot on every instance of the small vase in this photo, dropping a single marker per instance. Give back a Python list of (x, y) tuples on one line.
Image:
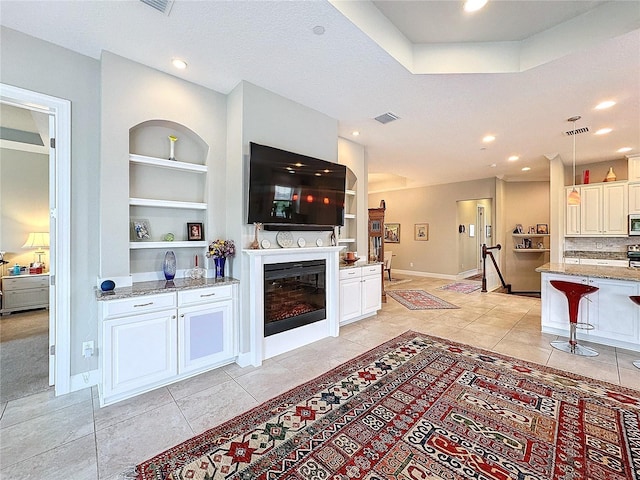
[(611, 177), (219, 262), (169, 265)]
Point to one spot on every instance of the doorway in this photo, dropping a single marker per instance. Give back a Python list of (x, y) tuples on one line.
[(54, 117)]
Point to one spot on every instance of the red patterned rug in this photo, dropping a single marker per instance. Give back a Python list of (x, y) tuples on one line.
[(461, 287), (420, 407), (419, 300)]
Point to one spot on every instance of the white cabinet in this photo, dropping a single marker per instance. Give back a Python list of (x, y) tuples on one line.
[(634, 198), (602, 211), (360, 292), (25, 292), (633, 163), (152, 340), (615, 318)]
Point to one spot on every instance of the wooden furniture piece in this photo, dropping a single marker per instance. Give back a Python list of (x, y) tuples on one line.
[(376, 240), (25, 292)]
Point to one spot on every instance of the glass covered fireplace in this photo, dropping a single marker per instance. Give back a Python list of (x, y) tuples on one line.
[(294, 295)]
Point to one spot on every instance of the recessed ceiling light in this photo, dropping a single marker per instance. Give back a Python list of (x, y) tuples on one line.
[(488, 139), (493, 165), (318, 30), (526, 169), (604, 131), (179, 63), (355, 133), (624, 149), (606, 104), (474, 5), (513, 158)]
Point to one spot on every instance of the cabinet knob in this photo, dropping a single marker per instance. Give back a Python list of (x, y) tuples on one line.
[(173, 317), (182, 315)]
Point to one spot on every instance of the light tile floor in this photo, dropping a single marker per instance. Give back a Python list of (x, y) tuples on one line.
[(70, 437)]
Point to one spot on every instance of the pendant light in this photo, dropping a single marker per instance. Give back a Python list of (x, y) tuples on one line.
[(574, 197)]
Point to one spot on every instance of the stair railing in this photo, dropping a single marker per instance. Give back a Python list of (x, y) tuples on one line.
[(486, 251)]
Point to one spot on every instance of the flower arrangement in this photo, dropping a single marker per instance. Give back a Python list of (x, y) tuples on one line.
[(221, 249)]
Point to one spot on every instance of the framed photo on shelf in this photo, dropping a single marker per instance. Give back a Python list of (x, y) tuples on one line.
[(518, 230), (532, 229), (421, 232), (140, 230), (392, 233), (542, 228), (195, 231)]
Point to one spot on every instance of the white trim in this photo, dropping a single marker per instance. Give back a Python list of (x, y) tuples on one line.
[(80, 381), (426, 274), (61, 227)]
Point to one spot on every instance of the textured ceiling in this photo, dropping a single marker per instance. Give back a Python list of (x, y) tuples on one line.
[(351, 75)]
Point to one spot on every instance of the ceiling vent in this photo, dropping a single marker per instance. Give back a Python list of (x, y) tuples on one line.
[(577, 131), (163, 6), (386, 118)]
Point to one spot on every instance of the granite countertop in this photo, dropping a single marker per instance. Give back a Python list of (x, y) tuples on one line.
[(597, 271), (597, 255), (358, 264), (161, 286)]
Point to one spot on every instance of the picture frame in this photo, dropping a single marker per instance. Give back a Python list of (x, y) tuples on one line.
[(195, 232), (421, 232), (532, 229), (392, 233), (518, 230), (542, 229), (140, 230)]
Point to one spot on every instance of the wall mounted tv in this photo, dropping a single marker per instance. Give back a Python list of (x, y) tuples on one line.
[(289, 191)]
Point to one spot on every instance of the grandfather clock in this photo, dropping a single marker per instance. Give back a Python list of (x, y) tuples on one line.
[(376, 240)]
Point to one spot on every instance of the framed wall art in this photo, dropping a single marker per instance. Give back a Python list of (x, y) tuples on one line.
[(195, 231), (421, 232), (392, 233)]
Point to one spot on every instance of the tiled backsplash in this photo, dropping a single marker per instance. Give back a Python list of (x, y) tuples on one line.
[(603, 244)]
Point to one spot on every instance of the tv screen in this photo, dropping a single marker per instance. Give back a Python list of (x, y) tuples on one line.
[(289, 191)]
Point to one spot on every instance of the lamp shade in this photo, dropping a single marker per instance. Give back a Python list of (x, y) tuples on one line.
[(574, 198), (37, 240)]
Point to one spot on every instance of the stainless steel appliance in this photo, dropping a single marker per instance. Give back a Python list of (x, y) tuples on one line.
[(633, 254), (634, 224)]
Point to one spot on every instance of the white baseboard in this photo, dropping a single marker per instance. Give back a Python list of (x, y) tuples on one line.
[(84, 380), (425, 274), (244, 359)]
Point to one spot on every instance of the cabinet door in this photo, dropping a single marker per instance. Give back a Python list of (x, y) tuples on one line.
[(591, 210), (139, 352), (634, 198), (205, 336), (613, 314), (350, 300), (371, 291), (614, 209), (572, 215), (634, 168)]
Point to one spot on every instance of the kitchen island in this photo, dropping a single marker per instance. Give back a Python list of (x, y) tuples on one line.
[(614, 317)]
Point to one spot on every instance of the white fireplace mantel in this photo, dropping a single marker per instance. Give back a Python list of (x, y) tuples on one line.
[(261, 348)]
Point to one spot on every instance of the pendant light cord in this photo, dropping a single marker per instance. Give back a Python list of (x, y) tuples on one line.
[(574, 154)]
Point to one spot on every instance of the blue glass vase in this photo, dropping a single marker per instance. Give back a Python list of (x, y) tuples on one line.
[(219, 262), (169, 265)]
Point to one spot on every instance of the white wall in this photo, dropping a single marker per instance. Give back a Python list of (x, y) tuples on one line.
[(33, 64)]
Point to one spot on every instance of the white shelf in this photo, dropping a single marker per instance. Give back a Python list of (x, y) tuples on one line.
[(531, 250), (350, 192), (147, 202), (163, 163), (169, 245), (346, 240), (526, 235)]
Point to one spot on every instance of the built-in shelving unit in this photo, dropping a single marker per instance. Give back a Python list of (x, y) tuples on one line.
[(348, 232), (532, 236)]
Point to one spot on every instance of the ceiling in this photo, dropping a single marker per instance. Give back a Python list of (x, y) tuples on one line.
[(516, 70)]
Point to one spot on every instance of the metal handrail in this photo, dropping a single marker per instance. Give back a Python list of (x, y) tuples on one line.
[(485, 252)]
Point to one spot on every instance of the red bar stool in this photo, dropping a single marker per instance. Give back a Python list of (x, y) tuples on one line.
[(636, 299), (574, 293)]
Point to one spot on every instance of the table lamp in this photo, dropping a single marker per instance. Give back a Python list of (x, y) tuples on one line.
[(38, 241)]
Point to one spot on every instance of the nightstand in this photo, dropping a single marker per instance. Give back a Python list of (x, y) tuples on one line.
[(25, 292)]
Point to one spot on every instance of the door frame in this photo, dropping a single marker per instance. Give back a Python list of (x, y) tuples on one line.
[(481, 222), (60, 224)]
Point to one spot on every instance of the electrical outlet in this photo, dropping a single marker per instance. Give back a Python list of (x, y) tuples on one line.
[(411, 264), (598, 245), (87, 349)]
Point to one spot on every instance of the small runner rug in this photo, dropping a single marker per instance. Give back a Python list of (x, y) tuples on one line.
[(420, 407), (419, 300), (461, 287)]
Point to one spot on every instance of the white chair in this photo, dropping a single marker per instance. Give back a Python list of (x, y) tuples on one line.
[(386, 262)]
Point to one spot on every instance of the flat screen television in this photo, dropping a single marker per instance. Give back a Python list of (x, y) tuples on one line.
[(289, 191)]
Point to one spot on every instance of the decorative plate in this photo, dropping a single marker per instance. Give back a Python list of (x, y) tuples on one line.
[(301, 242), (319, 242), (284, 239), (265, 243)]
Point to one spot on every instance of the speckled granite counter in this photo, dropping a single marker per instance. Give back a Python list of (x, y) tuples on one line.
[(597, 271), (358, 264), (152, 288), (599, 255)]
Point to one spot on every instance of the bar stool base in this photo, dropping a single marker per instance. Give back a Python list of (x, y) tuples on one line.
[(636, 364), (575, 349)]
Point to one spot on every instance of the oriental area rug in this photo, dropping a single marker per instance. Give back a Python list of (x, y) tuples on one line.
[(461, 287), (420, 407), (419, 300)]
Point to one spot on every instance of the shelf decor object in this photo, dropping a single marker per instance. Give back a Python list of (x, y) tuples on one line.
[(169, 265), (611, 176), (219, 250), (172, 147), (220, 264), (255, 245)]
